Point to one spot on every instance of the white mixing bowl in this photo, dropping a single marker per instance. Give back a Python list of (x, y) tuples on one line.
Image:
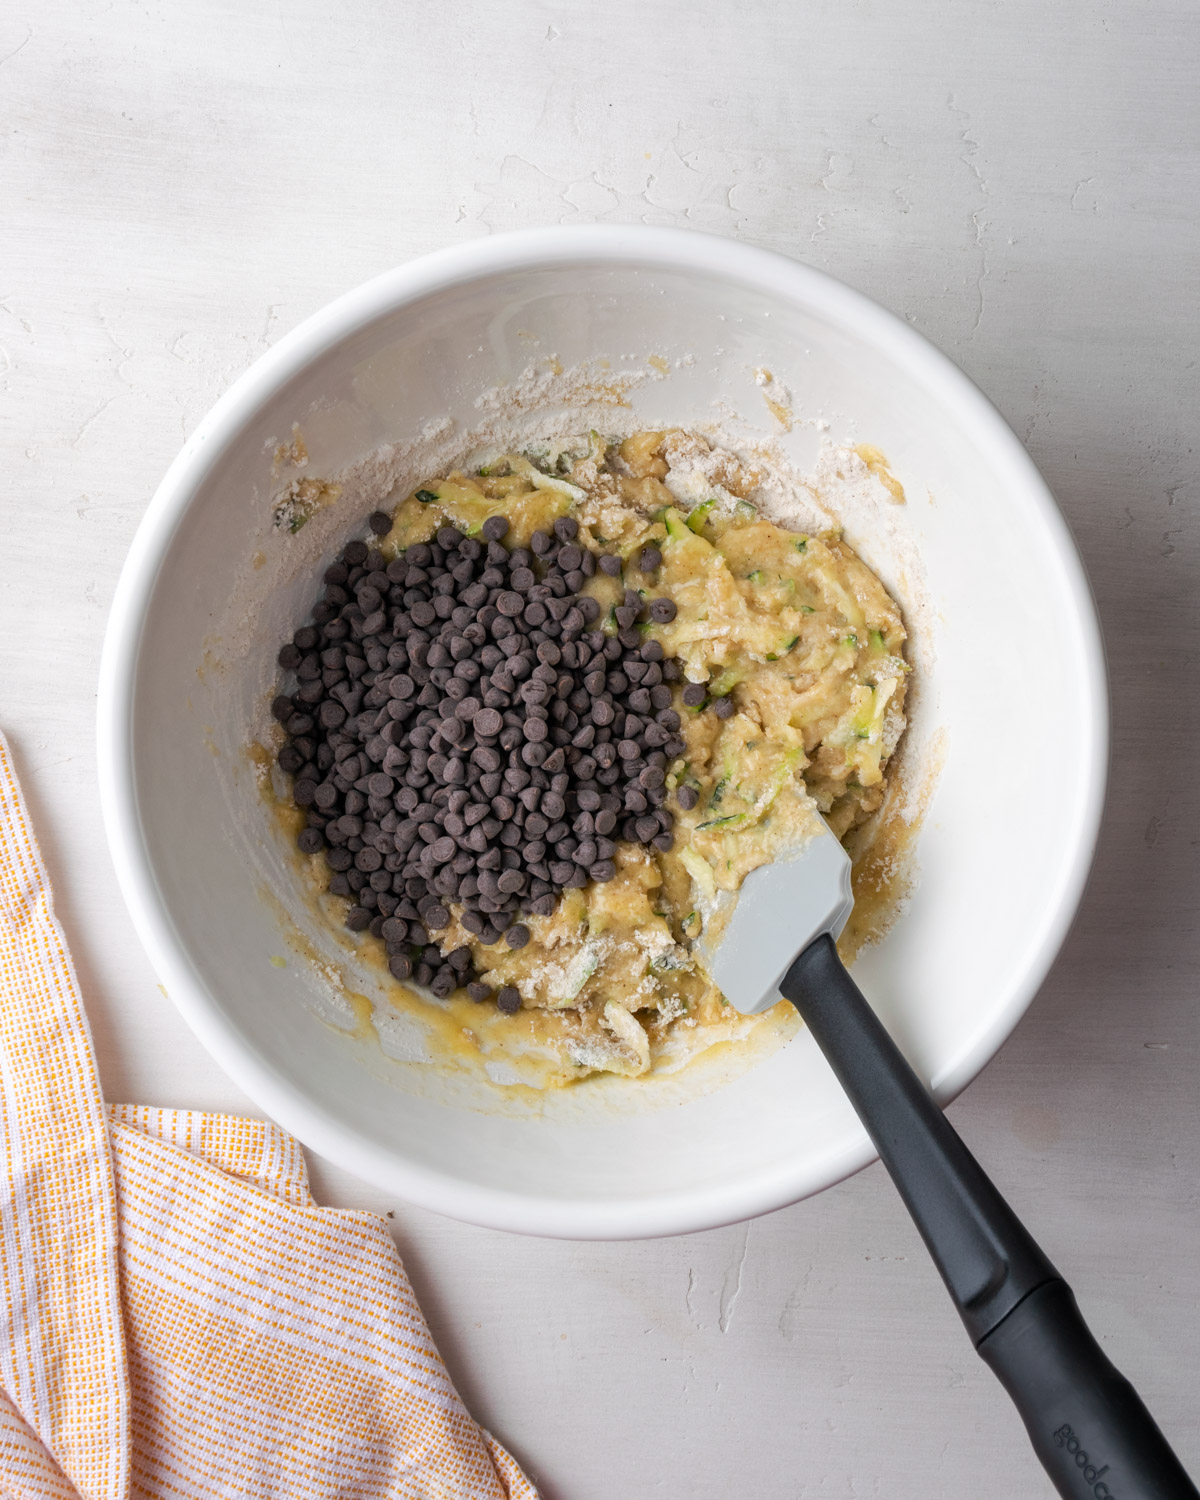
[(1015, 679)]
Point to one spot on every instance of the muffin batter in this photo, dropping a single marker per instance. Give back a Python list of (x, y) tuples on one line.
[(784, 658)]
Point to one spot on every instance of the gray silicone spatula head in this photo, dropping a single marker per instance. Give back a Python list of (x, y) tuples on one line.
[(780, 909)]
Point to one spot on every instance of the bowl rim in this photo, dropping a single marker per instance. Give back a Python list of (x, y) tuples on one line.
[(662, 249)]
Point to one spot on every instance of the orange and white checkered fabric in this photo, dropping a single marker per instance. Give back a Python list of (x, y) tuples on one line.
[(179, 1318)]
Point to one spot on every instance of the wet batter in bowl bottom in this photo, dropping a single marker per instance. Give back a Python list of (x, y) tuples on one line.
[(543, 724)]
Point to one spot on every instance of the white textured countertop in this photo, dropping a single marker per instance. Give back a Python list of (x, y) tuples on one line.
[(184, 180)]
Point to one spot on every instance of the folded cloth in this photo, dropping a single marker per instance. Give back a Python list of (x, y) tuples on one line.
[(179, 1318)]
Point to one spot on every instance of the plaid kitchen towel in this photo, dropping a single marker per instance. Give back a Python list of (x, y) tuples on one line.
[(179, 1318)]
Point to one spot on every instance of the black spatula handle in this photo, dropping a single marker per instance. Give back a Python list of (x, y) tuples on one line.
[(1083, 1417)]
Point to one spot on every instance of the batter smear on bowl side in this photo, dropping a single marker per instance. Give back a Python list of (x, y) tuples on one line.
[(543, 723)]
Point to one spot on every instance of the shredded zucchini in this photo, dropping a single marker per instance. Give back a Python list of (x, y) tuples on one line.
[(698, 515), (725, 681), (543, 481), (733, 820), (700, 870)]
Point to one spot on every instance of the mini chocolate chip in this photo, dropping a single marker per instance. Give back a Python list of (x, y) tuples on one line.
[(443, 982), (694, 694), (723, 708), (610, 563), (650, 560), (517, 935), (494, 529), (663, 611), (687, 797), (478, 991), (509, 1000), (380, 522)]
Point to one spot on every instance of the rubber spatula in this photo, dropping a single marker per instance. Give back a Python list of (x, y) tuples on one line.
[(1087, 1424)]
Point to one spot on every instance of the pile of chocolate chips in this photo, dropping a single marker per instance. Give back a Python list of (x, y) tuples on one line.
[(461, 732)]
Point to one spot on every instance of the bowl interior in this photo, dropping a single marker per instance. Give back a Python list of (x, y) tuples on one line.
[(1011, 668)]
